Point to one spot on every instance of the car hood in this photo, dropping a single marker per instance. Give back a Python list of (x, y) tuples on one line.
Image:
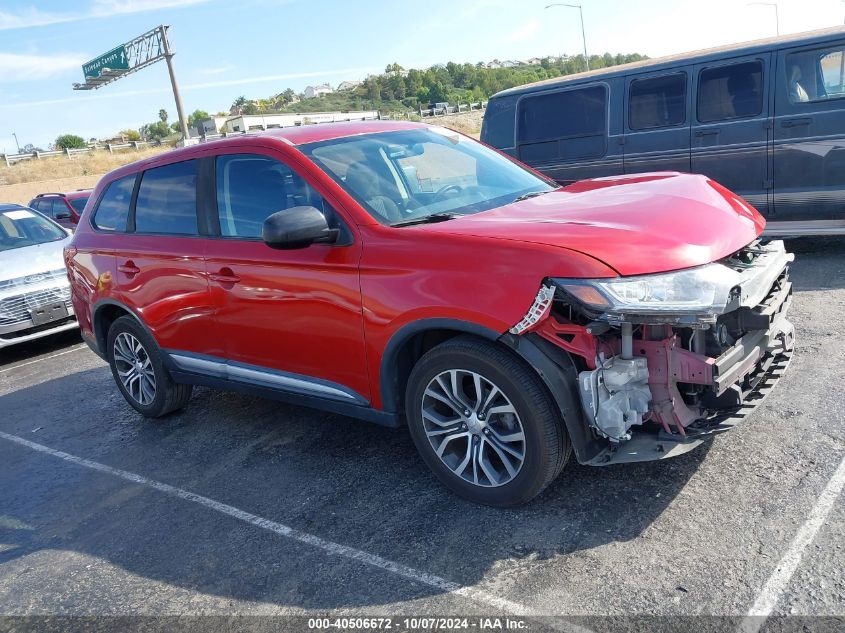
[(32, 260), (639, 224)]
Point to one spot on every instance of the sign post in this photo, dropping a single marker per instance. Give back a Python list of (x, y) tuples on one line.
[(131, 57)]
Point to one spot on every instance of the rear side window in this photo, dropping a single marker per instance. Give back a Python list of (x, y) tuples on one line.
[(113, 210), (563, 125), (817, 75), (167, 200), (730, 92), (499, 122), (78, 204), (657, 102), (251, 187)]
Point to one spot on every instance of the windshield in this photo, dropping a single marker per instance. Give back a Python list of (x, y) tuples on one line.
[(78, 204), (22, 227), (420, 173)]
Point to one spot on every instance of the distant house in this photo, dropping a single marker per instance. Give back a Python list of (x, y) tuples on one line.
[(494, 64), (316, 91), (509, 63), (252, 122), (534, 61), (348, 85), (211, 125)]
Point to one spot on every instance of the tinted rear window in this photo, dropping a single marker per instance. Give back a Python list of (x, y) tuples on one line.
[(657, 102), (167, 200), (730, 92), (78, 204), (113, 209), (499, 122)]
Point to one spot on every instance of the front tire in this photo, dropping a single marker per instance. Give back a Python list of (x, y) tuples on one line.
[(484, 422), (138, 369)]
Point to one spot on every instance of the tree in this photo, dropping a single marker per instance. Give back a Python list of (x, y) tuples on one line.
[(250, 108), (162, 115), (70, 141), (131, 135), (156, 131), (196, 117)]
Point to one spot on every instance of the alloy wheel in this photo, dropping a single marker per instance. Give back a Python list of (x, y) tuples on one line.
[(473, 428), (134, 368)]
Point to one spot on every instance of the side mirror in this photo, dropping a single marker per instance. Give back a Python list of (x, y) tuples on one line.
[(297, 227)]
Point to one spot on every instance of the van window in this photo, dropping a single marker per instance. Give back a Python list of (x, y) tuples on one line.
[(167, 200), (578, 116), (113, 209), (499, 121), (657, 102), (251, 187), (816, 75), (730, 92)]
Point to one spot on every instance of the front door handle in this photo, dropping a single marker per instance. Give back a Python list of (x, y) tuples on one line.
[(796, 122), (129, 268), (224, 276)]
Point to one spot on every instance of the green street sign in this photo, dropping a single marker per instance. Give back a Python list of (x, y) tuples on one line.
[(113, 60)]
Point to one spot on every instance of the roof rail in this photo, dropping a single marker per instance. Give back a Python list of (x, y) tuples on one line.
[(50, 193)]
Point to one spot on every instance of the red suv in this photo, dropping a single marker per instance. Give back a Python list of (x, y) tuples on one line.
[(409, 275), (64, 208)]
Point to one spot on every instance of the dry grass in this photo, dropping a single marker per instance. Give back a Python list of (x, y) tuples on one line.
[(468, 123), (95, 163)]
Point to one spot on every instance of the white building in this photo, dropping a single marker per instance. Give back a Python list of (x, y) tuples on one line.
[(249, 122), (316, 91), (211, 125), (348, 85)]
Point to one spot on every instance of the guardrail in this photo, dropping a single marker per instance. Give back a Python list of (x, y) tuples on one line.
[(453, 109), (10, 159)]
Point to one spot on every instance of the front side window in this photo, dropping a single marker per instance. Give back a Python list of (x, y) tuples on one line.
[(657, 102), (21, 227), (730, 92), (251, 187), (560, 115), (113, 210), (419, 173), (167, 200), (60, 210), (816, 75)]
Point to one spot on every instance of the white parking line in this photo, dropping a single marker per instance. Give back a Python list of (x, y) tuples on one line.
[(329, 547), (38, 360), (788, 564)]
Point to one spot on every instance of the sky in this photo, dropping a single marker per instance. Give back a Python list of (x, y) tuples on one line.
[(257, 48)]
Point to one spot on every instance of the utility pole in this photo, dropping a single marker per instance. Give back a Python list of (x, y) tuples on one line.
[(18, 145), (583, 35), (180, 110)]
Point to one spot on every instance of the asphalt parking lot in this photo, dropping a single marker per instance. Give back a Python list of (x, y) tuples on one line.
[(242, 506)]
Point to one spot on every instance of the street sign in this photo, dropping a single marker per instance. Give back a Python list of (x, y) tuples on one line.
[(129, 58), (113, 60)]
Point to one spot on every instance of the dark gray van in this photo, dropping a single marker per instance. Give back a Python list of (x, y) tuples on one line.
[(765, 119)]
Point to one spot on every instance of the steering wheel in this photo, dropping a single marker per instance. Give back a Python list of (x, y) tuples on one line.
[(447, 189)]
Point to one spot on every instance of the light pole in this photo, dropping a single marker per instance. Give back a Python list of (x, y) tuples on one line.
[(583, 36), (770, 4), (18, 145)]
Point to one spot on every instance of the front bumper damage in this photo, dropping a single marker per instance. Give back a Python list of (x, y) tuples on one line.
[(650, 388)]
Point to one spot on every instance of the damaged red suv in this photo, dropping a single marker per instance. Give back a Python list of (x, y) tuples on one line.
[(408, 275)]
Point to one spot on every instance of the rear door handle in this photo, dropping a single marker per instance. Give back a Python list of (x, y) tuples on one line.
[(129, 268), (796, 122), (224, 276), (711, 132)]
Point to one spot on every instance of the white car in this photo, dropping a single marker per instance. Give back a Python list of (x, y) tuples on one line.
[(34, 287)]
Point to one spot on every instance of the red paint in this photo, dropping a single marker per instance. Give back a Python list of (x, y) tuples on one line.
[(330, 311)]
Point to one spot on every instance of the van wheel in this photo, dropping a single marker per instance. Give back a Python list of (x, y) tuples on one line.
[(484, 422), (137, 367)]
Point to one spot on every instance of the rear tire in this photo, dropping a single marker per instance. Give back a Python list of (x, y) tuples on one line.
[(138, 369), (484, 422)]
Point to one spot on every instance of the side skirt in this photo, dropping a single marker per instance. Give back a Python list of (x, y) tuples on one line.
[(218, 373)]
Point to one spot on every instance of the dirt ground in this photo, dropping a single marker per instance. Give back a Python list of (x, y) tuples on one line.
[(22, 193)]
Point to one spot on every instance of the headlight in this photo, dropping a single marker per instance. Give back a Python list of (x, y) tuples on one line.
[(702, 291)]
